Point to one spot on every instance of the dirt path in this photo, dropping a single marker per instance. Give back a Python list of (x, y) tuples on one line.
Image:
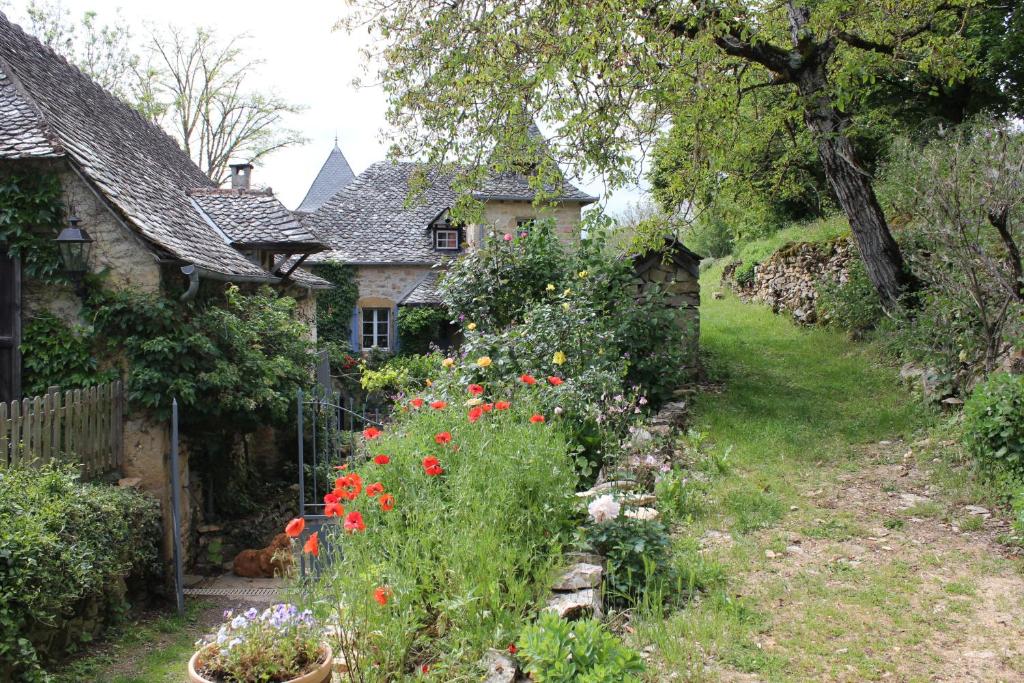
[(879, 577)]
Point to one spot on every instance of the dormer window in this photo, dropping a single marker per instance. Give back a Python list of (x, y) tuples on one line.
[(446, 239)]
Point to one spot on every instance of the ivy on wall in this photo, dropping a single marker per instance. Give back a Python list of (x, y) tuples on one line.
[(57, 354), (334, 307), (31, 215)]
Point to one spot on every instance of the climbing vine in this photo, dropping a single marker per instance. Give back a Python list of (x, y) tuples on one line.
[(31, 213), (334, 307), (57, 354), (418, 326)]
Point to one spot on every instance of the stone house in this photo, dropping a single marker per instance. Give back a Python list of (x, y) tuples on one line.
[(399, 246), (158, 224)]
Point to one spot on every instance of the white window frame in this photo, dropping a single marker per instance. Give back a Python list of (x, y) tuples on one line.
[(375, 316), (452, 235)]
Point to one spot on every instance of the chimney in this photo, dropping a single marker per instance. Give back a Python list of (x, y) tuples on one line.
[(241, 176)]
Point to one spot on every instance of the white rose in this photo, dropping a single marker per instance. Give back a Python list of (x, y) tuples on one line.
[(603, 508)]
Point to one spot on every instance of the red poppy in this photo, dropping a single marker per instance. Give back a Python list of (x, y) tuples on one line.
[(502, 405), (381, 595), (295, 527), (331, 498), (312, 545), (487, 407), (512, 649), (475, 413), (438, 405), (527, 379), (555, 381), (416, 403), (382, 459), (341, 467), (432, 466), (374, 489), (475, 389), (348, 487), (387, 502), (334, 509), (354, 522), (425, 668), (443, 438), (371, 432), (537, 419)]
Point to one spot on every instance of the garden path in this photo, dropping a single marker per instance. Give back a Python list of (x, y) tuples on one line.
[(854, 545)]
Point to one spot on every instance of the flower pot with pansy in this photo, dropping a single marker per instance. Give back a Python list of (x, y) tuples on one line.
[(280, 643)]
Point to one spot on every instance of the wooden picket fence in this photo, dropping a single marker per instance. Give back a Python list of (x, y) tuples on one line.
[(84, 426)]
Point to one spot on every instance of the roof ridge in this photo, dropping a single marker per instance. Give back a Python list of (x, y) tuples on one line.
[(26, 96)]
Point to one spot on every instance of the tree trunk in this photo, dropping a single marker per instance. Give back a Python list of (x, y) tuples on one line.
[(852, 187)]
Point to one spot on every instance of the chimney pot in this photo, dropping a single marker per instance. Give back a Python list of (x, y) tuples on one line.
[(241, 176)]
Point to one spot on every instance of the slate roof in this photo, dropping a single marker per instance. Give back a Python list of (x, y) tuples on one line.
[(370, 222), (255, 218), (334, 175), (425, 293), (137, 167)]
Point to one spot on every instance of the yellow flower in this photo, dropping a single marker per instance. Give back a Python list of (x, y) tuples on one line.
[(448, 362), (559, 358), (471, 327), (474, 402), (430, 383), (567, 292), (484, 361), (582, 273), (550, 287), (565, 306)]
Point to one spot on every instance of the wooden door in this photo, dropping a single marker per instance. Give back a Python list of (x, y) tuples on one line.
[(10, 328)]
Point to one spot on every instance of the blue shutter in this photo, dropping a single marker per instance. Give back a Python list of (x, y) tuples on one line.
[(354, 336)]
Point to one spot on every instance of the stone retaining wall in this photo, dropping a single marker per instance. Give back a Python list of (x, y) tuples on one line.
[(787, 280)]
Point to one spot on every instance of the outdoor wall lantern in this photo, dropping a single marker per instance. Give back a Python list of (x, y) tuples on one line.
[(75, 244)]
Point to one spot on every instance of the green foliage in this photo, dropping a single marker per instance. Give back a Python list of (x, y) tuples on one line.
[(66, 546), (558, 651), (853, 305), (682, 495), (419, 326), (994, 424), (465, 555), (638, 557), (334, 307), (56, 354), (31, 212), (401, 375)]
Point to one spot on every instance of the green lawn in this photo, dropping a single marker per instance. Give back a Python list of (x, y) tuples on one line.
[(825, 578)]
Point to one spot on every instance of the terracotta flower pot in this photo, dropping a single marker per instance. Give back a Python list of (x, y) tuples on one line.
[(321, 674)]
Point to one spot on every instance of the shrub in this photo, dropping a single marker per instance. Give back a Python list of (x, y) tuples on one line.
[(638, 558), (994, 424), (401, 375), (557, 651), (66, 548), (419, 327), (853, 305), (467, 550)]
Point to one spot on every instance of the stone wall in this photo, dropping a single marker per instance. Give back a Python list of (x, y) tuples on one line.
[(683, 291), (786, 280), (503, 216)]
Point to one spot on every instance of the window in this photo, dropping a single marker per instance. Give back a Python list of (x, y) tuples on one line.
[(376, 328), (524, 225), (446, 239)]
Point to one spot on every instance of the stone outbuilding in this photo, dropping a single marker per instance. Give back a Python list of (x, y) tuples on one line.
[(674, 270)]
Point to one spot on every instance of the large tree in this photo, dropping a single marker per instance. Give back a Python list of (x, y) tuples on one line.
[(608, 76)]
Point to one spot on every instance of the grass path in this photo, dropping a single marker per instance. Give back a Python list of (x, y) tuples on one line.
[(842, 531)]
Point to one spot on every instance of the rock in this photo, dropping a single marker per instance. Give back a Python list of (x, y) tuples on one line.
[(578, 577), (608, 487), (718, 296), (770, 554), (912, 499), (794, 550), (578, 605), (499, 667), (585, 558), (129, 482), (646, 514), (977, 510), (639, 499), (209, 528), (714, 538), (673, 414), (192, 580)]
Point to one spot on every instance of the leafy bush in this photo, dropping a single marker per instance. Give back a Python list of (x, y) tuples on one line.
[(456, 553), (558, 651), (66, 548), (853, 305), (419, 326), (994, 424), (638, 557), (401, 375), (55, 354)]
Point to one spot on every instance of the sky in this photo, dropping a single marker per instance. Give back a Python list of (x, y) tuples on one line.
[(307, 63)]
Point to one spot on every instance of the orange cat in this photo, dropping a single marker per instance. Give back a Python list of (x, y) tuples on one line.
[(275, 559)]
